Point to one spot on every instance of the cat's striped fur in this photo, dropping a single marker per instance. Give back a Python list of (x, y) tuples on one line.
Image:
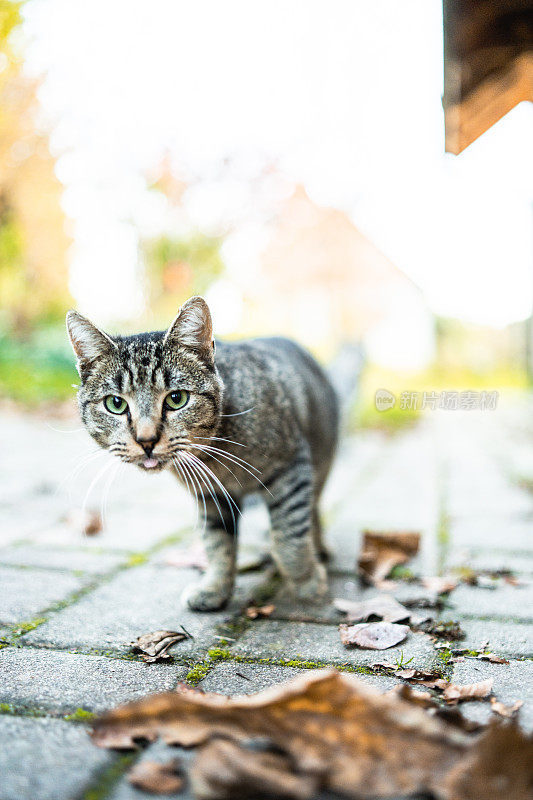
[(261, 417)]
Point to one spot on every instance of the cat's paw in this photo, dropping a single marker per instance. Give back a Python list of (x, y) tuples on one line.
[(313, 589), (207, 596)]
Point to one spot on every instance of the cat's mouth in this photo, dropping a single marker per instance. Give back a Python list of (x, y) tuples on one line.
[(151, 464)]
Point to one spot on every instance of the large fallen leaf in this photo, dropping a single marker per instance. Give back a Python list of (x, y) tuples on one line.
[(381, 551), (373, 635), (500, 765), (154, 646), (382, 607), (469, 691), (157, 778), (505, 711), (225, 770), (331, 726)]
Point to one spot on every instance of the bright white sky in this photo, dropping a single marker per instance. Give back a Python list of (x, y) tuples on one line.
[(343, 95)]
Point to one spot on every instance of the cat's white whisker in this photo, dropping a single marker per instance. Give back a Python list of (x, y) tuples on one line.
[(194, 479), (94, 482), (220, 439), (207, 483), (200, 447), (231, 458), (238, 414), (204, 468), (190, 487), (225, 452)]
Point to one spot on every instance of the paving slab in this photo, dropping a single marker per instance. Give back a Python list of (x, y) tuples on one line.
[(61, 559), (237, 677), (509, 639), (63, 682), (490, 560), (234, 677), (47, 759), (511, 682), (505, 602), (25, 593), (137, 601), (307, 641), (502, 532)]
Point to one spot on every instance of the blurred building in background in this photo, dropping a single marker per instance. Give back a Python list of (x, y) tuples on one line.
[(324, 283)]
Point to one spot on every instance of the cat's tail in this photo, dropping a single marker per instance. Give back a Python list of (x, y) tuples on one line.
[(344, 372)]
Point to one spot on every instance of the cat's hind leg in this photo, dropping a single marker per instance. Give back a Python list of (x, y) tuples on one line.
[(215, 588), (292, 528)]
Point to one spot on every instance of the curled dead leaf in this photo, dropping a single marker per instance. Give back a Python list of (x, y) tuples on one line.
[(157, 778), (373, 635), (492, 658), (448, 630), (253, 612), (469, 691), (382, 607), (381, 551), (154, 646), (505, 711)]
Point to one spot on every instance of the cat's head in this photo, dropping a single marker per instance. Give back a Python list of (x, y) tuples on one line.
[(142, 397)]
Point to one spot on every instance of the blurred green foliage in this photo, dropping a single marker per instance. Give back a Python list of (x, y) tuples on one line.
[(177, 268), (39, 369)]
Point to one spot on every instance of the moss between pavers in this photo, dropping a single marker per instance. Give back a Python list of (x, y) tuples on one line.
[(110, 777), (221, 654), (80, 715)]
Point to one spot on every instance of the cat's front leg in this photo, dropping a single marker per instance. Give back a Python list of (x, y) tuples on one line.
[(291, 514), (215, 588)]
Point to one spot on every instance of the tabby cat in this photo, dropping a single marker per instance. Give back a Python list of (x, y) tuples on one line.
[(244, 417)]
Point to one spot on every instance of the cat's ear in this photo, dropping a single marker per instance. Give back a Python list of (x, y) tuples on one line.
[(193, 327), (88, 341)]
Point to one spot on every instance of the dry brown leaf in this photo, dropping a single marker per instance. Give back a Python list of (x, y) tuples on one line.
[(85, 521), (448, 630), (381, 551), (492, 658), (252, 612), (373, 635), (225, 770), (332, 726), (469, 691), (154, 646), (440, 584), (157, 778), (382, 607), (502, 710)]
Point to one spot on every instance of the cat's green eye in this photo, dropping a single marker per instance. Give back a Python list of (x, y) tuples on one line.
[(177, 399), (115, 404)]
